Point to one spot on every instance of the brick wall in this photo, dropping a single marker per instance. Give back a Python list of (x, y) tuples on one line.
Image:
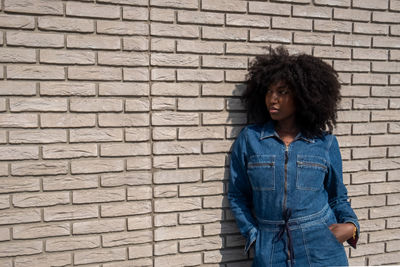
[(117, 117)]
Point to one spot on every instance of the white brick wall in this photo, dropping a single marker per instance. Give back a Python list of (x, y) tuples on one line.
[(117, 118)]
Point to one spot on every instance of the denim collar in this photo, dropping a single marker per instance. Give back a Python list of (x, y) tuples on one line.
[(268, 130)]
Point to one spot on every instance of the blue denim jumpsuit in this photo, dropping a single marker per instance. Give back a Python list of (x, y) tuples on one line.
[(285, 197)]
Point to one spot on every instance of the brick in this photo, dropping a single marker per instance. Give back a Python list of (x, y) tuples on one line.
[(99, 255), (368, 28), (371, 4), (123, 120), (395, 30), (97, 166), (392, 246), (122, 28), (28, 39), (137, 134), (363, 78), (190, 4), (129, 179), (200, 75), (136, 43), (54, 7), (163, 74), (4, 204), (126, 2), (168, 30), (165, 162), (17, 88), (225, 89), (351, 14), (174, 89), (384, 164), (312, 38), (391, 91), (5, 236), (182, 147), (269, 8), (370, 103), (223, 255), (223, 118), (177, 232), (245, 49), (177, 204), (170, 60), (292, 23), (93, 42), (233, 34), (394, 152), (40, 230), (125, 209), (134, 13), (200, 104), (38, 104), (313, 12), (69, 182), (9, 185), (92, 10), (176, 176), (94, 73), (332, 26), (208, 47), (40, 199), (365, 53), (70, 213), (174, 118), (368, 249), (136, 74), (95, 135), (385, 115), (138, 163), (17, 248), (166, 247), (214, 132), (164, 45), (186, 259), (203, 216), (247, 20), (342, 3), (200, 244), (163, 103), (352, 40), (17, 22), (387, 234), (384, 42), (127, 238), (382, 140), (39, 168), (99, 226), (332, 52), (386, 67), (34, 72), (369, 152), (394, 79), (394, 127), (382, 188), (112, 150), (215, 202), (95, 105), (197, 17), (354, 66), (168, 219), (226, 62), (123, 59), (67, 57), (65, 24), (69, 151), (164, 133), (139, 222), (123, 89), (216, 146), (16, 55), (19, 152), (368, 201), (139, 193), (67, 89), (72, 243), (201, 189), (224, 5), (19, 216), (355, 165), (165, 191), (139, 251), (18, 120), (67, 120)]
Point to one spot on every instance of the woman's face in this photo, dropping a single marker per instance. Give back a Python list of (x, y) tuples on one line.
[(280, 102)]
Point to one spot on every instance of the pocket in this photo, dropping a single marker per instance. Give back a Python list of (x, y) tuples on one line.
[(331, 236), (311, 171), (261, 171)]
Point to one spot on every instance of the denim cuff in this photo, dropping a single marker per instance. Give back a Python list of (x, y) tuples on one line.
[(353, 241), (251, 238)]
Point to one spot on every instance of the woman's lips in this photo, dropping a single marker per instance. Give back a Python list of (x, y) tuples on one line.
[(273, 110)]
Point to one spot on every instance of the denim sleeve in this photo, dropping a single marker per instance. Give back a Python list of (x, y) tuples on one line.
[(337, 192), (240, 193)]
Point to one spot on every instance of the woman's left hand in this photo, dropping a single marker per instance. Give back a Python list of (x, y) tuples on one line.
[(342, 231)]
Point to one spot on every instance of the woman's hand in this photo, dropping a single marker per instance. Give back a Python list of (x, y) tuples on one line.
[(342, 231)]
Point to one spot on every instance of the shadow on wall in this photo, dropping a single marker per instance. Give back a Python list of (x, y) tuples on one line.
[(232, 253)]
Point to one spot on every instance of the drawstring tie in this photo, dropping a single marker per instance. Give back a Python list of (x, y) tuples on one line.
[(285, 228)]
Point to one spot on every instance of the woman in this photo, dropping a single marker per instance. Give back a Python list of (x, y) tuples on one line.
[(286, 189)]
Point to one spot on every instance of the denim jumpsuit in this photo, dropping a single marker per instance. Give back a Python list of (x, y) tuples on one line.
[(285, 197)]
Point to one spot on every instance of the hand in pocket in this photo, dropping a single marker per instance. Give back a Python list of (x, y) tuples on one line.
[(342, 231)]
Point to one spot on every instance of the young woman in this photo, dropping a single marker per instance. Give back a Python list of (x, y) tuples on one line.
[(286, 188)]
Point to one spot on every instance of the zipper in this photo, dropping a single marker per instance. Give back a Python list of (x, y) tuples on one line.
[(285, 192), (259, 164), (305, 163)]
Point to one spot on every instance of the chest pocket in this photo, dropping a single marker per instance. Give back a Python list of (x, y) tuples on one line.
[(311, 171), (261, 172)]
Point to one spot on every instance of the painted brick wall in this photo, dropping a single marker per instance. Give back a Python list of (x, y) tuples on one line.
[(117, 117)]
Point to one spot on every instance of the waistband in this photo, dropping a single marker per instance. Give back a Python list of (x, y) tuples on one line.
[(294, 223)]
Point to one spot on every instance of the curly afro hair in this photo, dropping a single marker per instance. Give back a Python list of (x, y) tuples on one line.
[(314, 84)]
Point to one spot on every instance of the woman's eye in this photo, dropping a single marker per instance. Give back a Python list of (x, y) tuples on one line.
[(283, 92)]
